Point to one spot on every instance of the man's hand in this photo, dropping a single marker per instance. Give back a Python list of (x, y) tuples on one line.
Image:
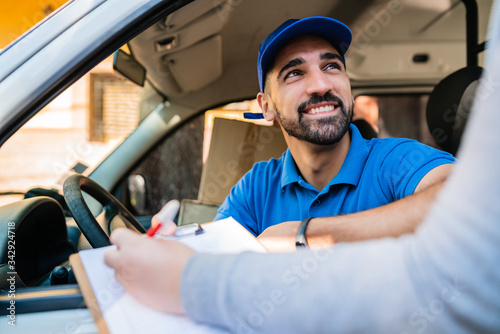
[(150, 269), (281, 237)]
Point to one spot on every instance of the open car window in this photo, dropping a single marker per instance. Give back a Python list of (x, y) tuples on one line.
[(74, 132)]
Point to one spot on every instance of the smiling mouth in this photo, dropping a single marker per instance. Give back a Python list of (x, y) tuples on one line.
[(321, 109)]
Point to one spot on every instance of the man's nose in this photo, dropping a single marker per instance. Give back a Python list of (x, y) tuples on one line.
[(318, 82)]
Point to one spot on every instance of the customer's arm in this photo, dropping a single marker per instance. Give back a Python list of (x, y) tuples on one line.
[(391, 220)]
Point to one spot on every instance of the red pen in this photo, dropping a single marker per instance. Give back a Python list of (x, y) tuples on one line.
[(166, 215)]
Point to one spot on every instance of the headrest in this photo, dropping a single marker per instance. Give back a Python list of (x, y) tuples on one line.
[(449, 106), (365, 129)]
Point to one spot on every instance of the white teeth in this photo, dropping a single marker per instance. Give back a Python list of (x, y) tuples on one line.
[(321, 109)]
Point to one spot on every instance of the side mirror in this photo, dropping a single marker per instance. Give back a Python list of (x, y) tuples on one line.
[(129, 67), (137, 192)]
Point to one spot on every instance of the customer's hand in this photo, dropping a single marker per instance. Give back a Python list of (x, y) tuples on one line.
[(150, 269)]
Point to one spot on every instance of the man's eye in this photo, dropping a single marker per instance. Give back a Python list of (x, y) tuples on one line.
[(332, 66), (292, 74)]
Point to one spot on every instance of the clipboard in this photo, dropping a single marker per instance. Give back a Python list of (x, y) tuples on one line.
[(88, 293), (184, 231), (223, 236), (86, 288)]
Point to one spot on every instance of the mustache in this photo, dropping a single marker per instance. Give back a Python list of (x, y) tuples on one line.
[(327, 97)]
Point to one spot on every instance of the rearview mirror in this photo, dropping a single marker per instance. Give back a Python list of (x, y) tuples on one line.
[(129, 67), (137, 192)]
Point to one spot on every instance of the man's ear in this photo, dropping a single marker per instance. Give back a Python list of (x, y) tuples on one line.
[(266, 106)]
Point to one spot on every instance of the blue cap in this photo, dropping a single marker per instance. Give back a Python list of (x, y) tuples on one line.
[(335, 32)]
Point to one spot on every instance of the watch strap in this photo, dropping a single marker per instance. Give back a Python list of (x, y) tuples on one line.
[(301, 241)]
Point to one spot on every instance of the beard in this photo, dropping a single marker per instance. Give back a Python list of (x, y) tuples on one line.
[(322, 131)]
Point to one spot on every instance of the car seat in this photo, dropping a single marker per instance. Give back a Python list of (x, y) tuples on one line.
[(449, 106), (451, 100), (365, 129)]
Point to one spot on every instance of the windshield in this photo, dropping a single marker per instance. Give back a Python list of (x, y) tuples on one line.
[(82, 125), (73, 133)]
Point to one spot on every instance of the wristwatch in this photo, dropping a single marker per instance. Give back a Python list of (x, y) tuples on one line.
[(301, 241)]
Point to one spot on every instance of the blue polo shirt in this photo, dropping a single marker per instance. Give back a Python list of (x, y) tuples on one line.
[(374, 173)]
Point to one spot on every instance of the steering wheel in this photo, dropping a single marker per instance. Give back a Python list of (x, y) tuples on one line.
[(73, 189)]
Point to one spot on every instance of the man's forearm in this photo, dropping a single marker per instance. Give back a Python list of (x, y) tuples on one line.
[(391, 220)]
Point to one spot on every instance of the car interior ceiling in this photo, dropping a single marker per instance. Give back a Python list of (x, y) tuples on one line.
[(205, 54)]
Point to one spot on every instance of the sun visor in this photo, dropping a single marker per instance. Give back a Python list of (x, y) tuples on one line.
[(193, 11), (197, 66), (190, 26)]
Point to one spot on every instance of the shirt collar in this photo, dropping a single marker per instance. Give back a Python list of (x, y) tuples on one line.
[(290, 171), (351, 169), (354, 163)]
